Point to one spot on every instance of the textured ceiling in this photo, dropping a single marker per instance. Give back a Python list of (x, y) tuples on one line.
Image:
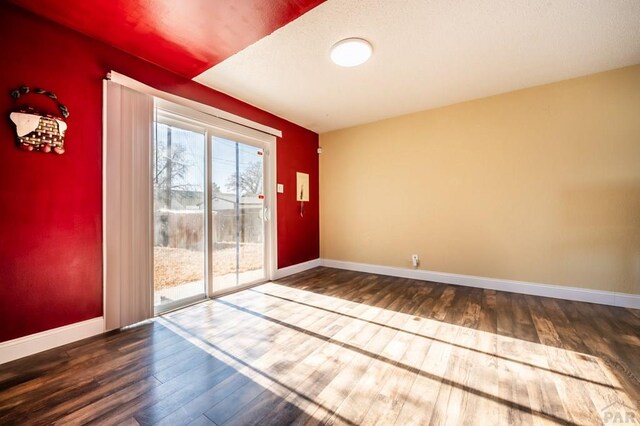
[(184, 36), (427, 53)]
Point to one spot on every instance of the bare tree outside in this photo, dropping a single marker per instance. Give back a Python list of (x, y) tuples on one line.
[(250, 180), (169, 172), (170, 169)]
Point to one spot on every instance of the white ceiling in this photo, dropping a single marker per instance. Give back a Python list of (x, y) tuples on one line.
[(427, 53)]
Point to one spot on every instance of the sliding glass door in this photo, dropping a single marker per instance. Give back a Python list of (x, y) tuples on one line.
[(238, 223), (210, 220), (179, 214)]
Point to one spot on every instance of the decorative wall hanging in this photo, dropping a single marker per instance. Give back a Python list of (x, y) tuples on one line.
[(37, 131)]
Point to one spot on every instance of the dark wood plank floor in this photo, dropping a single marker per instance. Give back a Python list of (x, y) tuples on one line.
[(328, 346)]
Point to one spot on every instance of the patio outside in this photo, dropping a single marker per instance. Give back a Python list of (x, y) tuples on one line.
[(177, 266)]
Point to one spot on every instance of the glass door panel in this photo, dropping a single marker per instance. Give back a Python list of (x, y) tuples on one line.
[(224, 223), (237, 213), (250, 215), (179, 216)]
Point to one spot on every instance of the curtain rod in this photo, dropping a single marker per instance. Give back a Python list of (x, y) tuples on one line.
[(198, 106)]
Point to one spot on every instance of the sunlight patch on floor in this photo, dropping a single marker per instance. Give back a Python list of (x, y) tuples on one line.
[(344, 349)]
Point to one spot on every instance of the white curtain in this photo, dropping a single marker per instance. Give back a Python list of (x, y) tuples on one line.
[(127, 198)]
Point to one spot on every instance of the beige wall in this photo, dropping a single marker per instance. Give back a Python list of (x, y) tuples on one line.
[(539, 185)]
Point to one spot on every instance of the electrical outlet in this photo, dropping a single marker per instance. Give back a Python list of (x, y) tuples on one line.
[(415, 260)]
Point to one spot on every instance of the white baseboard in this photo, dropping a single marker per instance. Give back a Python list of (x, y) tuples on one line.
[(559, 292), (294, 269), (49, 339)]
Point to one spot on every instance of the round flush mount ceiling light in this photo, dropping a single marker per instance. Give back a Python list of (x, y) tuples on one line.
[(351, 52)]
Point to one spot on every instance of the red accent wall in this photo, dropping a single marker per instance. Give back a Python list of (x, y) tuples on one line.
[(50, 206), (162, 31)]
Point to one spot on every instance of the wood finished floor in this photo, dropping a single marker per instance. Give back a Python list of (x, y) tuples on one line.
[(328, 346)]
